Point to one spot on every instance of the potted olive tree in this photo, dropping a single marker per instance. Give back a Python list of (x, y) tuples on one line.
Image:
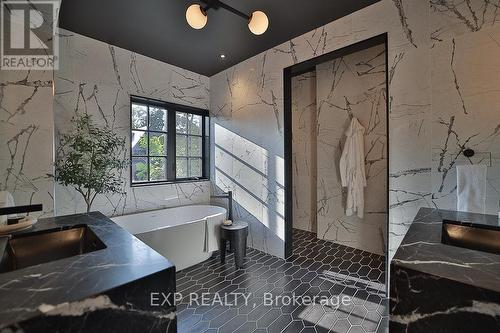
[(90, 159)]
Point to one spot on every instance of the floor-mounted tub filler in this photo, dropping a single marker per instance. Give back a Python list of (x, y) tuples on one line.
[(185, 235)]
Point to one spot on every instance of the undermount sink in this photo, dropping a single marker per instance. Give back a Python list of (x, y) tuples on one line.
[(473, 236), (27, 250)]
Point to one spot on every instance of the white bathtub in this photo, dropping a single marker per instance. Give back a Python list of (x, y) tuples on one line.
[(176, 233)]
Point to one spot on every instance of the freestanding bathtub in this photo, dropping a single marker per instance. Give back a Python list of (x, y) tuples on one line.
[(176, 233)]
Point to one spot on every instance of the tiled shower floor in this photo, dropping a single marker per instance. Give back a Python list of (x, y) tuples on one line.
[(317, 268)]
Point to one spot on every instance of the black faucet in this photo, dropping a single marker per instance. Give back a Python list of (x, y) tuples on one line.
[(229, 196), (20, 209)]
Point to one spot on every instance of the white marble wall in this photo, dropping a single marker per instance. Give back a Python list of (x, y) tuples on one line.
[(465, 99), (246, 154), (247, 100), (353, 86), (26, 131), (304, 151), (98, 78)]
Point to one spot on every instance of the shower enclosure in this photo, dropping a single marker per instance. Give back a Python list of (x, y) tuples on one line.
[(322, 95)]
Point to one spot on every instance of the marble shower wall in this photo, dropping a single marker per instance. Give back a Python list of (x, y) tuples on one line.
[(247, 101), (353, 86), (98, 78), (304, 150)]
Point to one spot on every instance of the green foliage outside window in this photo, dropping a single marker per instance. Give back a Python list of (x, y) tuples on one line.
[(149, 125), (157, 147), (141, 171)]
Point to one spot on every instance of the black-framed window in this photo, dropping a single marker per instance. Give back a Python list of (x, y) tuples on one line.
[(169, 142)]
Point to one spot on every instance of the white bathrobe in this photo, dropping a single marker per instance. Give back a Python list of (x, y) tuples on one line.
[(352, 168)]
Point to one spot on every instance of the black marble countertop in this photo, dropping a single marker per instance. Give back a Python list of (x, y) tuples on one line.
[(24, 292), (422, 250)]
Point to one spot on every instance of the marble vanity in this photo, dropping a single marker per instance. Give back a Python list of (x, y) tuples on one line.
[(437, 287), (107, 289)]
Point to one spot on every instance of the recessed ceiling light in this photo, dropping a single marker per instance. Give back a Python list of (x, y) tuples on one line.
[(223, 56)]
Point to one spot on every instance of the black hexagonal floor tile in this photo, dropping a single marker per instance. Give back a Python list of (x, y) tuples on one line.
[(318, 268)]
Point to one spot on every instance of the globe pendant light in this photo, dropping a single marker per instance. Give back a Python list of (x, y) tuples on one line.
[(258, 23), (196, 16)]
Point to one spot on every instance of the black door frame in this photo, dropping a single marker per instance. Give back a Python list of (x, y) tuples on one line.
[(304, 67)]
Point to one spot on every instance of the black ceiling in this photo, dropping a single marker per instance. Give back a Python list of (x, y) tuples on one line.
[(158, 29)]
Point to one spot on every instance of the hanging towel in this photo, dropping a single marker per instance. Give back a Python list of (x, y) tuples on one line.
[(352, 168), (212, 232), (471, 188)]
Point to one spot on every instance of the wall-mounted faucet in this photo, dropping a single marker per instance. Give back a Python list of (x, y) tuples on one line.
[(20, 209), (227, 195)]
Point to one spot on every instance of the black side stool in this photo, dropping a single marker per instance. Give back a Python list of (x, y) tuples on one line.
[(236, 234)]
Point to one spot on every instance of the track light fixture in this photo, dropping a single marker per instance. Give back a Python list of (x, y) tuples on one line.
[(196, 16)]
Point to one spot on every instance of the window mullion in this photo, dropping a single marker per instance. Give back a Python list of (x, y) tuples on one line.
[(203, 148), (147, 139), (171, 154)]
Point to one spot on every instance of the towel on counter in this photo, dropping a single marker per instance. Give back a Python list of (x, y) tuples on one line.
[(352, 168), (471, 188), (212, 234)]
